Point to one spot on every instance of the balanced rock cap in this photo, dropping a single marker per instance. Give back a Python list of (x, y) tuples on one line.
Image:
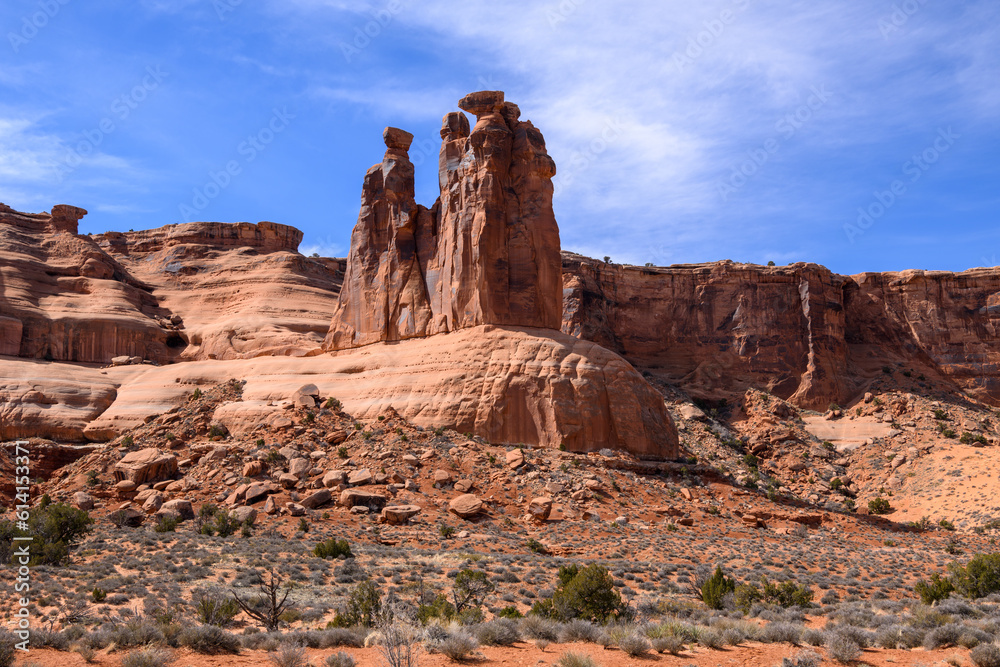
[(482, 103), (397, 138)]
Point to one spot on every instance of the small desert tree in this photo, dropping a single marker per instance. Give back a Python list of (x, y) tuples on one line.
[(268, 606)]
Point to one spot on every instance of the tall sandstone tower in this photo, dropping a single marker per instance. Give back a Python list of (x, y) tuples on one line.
[(487, 252)]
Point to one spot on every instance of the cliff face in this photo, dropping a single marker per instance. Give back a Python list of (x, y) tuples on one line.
[(232, 290), (487, 252), (799, 331), (63, 298), (192, 291)]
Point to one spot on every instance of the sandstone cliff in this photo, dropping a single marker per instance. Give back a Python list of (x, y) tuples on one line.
[(192, 291), (62, 297), (799, 331), (233, 290)]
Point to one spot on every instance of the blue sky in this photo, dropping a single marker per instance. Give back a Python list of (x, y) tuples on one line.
[(858, 135)]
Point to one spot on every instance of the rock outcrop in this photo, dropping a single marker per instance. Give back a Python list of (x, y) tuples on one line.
[(193, 291), (487, 252), (231, 290), (486, 255), (62, 297), (800, 331)]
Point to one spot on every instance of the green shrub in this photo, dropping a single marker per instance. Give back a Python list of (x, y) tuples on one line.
[(364, 606), (166, 524), (716, 588), (439, 608), (98, 594), (471, 589), (879, 506), (979, 578), (333, 548), (510, 612), (588, 594), (53, 527), (935, 590)]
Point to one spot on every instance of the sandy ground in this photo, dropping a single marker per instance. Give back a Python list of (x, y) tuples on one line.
[(528, 654)]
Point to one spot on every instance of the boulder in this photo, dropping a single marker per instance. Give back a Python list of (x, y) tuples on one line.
[(356, 497), (442, 477), (128, 516), (125, 486), (299, 467), (466, 506), (181, 507), (334, 478), (245, 515), (540, 508), (515, 459), (295, 509), (253, 468), (84, 501), (153, 503), (146, 465), (399, 514), (360, 477), (317, 498), (464, 485)]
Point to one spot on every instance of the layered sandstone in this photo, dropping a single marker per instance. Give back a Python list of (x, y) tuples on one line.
[(799, 331), (234, 290), (191, 291), (62, 297), (487, 252), (507, 384)]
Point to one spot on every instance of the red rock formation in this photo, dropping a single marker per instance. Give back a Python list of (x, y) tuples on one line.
[(486, 253), (62, 297), (198, 290), (799, 331), (232, 291)]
